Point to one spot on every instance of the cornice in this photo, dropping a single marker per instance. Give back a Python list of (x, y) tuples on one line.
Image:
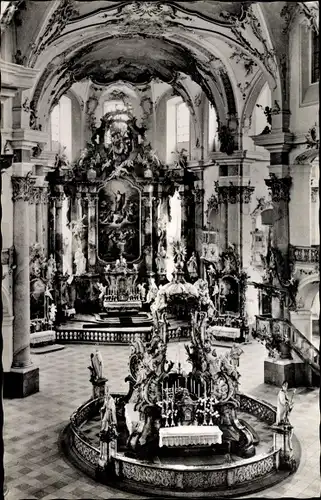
[(16, 76), (274, 142)]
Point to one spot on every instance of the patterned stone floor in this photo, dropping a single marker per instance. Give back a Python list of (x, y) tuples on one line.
[(36, 469)]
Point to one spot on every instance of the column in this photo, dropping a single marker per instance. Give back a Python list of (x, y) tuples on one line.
[(59, 198), (147, 221), (199, 215), (23, 379), (51, 226), (300, 203), (92, 202)]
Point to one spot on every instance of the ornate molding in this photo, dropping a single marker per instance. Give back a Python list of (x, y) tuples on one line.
[(145, 17), (22, 187), (279, 187), (198, 194), (234, 194), (57, 22), (244, 23), (314, 194), (240, 56)]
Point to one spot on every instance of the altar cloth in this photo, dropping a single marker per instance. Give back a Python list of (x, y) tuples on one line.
[(190, 435)]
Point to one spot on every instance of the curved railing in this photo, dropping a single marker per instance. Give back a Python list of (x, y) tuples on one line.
[(297, 340), (205, 477)]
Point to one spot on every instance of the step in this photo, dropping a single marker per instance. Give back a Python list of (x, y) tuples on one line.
[(46, 349)]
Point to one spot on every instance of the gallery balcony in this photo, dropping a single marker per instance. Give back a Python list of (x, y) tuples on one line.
[(308, 255)]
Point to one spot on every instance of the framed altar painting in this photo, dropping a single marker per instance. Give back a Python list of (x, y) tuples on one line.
[(119, 221)]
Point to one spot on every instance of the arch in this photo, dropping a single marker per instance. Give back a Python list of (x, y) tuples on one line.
[(252, 98), (307, 291), (307, 156)]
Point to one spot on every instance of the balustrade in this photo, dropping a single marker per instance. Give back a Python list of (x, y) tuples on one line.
[(306, 254)]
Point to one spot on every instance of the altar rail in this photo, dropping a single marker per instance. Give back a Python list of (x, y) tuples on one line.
[(99, 336), (192, 478)]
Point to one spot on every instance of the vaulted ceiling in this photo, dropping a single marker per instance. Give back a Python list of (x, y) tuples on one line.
[(223, 46)]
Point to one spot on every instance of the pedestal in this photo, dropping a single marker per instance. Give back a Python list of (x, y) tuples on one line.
[(99, 388), (278, 371), (21, 382)]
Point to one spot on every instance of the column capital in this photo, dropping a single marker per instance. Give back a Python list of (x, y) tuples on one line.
[(314, 194), (22, 187), (234, 193), (279, 187)]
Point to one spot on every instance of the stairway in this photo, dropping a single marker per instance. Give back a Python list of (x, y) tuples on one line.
[(299, 343)]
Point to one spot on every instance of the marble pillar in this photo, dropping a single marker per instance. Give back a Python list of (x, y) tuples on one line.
[(92, 203), (199, 215), (60, 196), (23, 378)]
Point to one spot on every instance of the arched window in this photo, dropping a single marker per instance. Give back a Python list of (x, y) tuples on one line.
[(120, 116), (259, 116), (61, 127), (182, 125), (315, 50), (177, 127), (212, 129)]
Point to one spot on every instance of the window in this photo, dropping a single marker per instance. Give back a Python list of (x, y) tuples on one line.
[(61, 127), (182, 123), (315, 70), (177, 128)]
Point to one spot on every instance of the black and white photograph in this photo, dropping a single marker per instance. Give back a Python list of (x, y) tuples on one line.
[(160, 249)]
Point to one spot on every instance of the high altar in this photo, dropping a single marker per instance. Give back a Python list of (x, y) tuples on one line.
[(108, 242)]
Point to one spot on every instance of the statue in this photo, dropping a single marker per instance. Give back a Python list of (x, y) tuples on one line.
[(80, 262), (142, 291), (235, 354), (102, 290), (192, 266), (161, 260), (152, 291), (108, 413), (51, 268), (284, 405), (96, 366), (52, 313)]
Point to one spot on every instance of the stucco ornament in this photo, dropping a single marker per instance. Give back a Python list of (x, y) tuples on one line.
[(146, 17), (245, 24)]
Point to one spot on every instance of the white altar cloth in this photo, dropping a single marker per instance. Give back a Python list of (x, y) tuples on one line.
[(188, 435), (226, 331)]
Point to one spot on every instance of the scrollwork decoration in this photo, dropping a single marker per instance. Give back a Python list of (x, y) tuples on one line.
[(21, 187), (240, 25), (234, 194), (279, 187)]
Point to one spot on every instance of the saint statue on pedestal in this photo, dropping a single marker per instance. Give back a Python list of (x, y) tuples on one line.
[(284, 405), (192, 266), (80, 262), (161, 260)]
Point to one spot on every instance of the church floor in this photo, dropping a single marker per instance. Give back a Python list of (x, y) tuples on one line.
[(36, 468)]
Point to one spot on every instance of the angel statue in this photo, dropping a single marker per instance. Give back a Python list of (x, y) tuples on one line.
[(77, 227), (142, 291), (102, 290)]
